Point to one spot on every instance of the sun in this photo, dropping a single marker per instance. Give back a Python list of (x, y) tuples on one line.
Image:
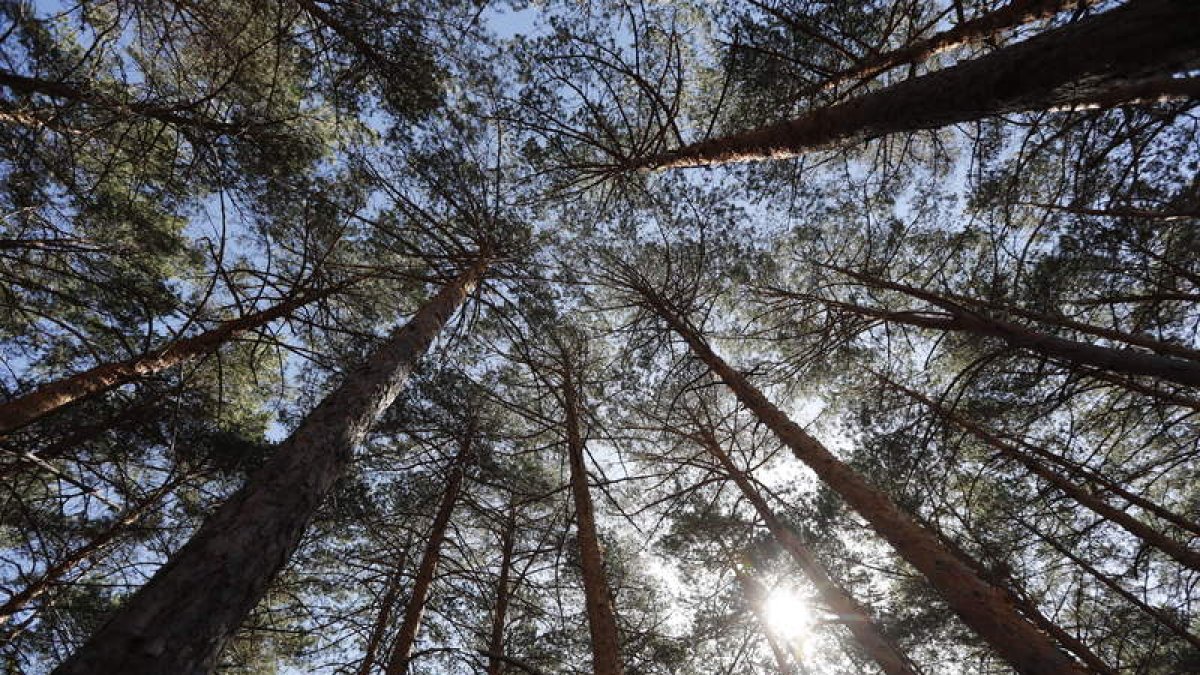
[(788, 613)]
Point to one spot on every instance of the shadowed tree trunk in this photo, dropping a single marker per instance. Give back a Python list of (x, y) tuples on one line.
[(178, 622), (1085, 498), (384, 617), (856, 618), (407, 636), (989, 610), (500, 611), (756, 598), (1083, 62), (53, 396), (606, 656)]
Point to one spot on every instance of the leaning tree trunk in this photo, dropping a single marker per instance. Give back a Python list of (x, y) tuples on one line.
[(989, 610), (402, 648), (178, 622), (1079, 63), (606, 656), (495, 651), (54, 396), (1013, 15), (384, 617), (1082, 496), (887, 656)]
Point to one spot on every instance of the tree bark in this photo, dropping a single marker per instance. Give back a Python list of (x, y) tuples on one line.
[(1080, 62), (500, 612), (857, 618), (386, 603), (602, 624), (178, 622), (407, 636), (990, 611), (54, 396), (1013, 15), (1088, 500)]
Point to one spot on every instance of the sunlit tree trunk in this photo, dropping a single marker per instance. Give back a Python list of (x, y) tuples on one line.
[(857, 618), (56, 395), (407, 636), (500, 611), (986, 608), (1083, 497), (1013, 15), (1082, 61), (55, 573), (178, 622), (602, 623)]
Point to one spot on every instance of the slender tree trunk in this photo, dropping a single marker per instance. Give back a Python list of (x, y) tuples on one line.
[(500, 612), (1013, 15), (1088, 500), (857, 618), (1121, 211), (756, 597), (54, 396), (1083, 61), (990, 611), (53, 574), (1179, 370), (606, 656), (402, 648), (386, 604), (179, 621)]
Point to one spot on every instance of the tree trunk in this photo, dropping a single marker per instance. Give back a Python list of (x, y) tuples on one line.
[(1013, 15), (17, 601), (386, 604), (499, 614), (53, 396), (1182, 371), (888, 656), (1088, 500), (987, 609), (606, 656), (1083, 61), (179, 621), (402, 648), (756, 597)]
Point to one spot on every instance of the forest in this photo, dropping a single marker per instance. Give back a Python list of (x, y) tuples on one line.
[(624, 337)]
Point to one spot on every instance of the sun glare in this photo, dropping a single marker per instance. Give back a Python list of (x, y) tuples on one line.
[(788, 613)]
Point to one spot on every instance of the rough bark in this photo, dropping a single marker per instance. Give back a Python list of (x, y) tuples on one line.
[(602, 624), (178, 622), (407, 636), (56, 395), (1082, 62), (1013, 15), (1085, 498), (989, 610), (855, 616), (500, 611)]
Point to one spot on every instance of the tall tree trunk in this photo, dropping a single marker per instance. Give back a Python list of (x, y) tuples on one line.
[(1085, 498), (756, 598), (1082, 61), (1013, 15), (54, 573), (178, 622), (1184, 371), (384, 617), (606, 656), (402, 648), (857, 618), (500, 611), (54, 396), (987, 609)]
